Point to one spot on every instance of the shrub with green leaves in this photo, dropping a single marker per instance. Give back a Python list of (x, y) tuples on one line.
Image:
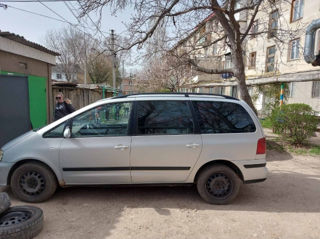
[(295, 122)]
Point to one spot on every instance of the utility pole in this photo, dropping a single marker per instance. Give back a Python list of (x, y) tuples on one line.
[(85, 57), (113, 62)]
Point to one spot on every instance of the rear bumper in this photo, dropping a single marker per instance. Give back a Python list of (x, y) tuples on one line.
[(253, 171), (4, 172)]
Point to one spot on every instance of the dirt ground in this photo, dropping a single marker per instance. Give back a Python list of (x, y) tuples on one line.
[(287, 205)]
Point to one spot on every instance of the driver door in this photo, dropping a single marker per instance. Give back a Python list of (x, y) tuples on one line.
[(98, 150)]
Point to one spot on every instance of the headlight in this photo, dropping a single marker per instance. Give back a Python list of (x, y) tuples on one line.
[(1, 154)]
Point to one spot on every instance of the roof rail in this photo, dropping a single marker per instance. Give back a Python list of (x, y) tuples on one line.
[(186, 94)]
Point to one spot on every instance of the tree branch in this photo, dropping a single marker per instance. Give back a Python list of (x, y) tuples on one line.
[(206, 70), (251, 21)]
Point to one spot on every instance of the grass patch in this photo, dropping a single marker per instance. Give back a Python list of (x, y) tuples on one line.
[(315, 150), (281, 146), (266, 123), (298, 150)]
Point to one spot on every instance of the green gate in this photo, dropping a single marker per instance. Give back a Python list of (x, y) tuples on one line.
[(37, 87)]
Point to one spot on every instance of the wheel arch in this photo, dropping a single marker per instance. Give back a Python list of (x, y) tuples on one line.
[(24, 161), (227, 163)]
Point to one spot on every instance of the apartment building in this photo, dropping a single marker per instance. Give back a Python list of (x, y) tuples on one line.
[(276, 55)]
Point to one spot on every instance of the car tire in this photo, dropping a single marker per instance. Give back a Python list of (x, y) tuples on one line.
[(33, 182), (218, 184), (21, 222), (4, 202)]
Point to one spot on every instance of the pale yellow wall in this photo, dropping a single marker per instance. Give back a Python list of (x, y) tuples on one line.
[(302, 94), (260, 44)]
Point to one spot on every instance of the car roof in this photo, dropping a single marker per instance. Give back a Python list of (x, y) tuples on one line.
[(164, 95)]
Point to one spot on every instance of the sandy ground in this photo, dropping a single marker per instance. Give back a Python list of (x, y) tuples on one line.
[(287, 205)]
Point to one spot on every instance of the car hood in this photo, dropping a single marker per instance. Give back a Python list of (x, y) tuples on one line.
[(17, 140)]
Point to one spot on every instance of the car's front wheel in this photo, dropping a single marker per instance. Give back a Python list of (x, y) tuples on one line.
[(33, 182), (218, 184)]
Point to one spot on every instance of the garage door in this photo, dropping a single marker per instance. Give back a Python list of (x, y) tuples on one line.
[(14, 107)]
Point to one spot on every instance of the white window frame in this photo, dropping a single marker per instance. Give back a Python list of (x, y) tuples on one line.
[(297, 10), (315, 89), (294, 49)]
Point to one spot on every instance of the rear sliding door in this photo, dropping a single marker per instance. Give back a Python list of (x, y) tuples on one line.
[(164, 148)]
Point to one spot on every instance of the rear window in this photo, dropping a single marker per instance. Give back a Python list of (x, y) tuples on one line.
[(222, 117)]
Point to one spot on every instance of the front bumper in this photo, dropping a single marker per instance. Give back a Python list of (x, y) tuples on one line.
[(4, 172), (253, 171)]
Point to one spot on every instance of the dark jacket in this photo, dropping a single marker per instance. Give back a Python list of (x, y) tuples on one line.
[(62, 109)]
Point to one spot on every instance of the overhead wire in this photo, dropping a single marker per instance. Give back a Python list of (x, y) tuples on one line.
[(62, 19), (22, 1), (35, 13), (52, 10)]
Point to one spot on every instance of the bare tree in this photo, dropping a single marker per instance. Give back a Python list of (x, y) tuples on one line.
[(74, 47), (180, 17), (100, 69)]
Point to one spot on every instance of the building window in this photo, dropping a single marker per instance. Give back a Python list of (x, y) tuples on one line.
[(316, 89), (296, 10), (291, 89), (271, 51), (234, 91), (202, 40), (252, 60), (273, 23), (228, 61), (214, 50), (254, 29), (294, 49), (59, 76), (237, 6)]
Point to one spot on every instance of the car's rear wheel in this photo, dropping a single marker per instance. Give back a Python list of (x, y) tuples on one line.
[(218, 184), (33, 182)]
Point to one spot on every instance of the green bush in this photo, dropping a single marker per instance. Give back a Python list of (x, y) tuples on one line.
[(295, 122)]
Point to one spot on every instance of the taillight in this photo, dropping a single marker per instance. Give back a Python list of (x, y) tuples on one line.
[(261, 146)]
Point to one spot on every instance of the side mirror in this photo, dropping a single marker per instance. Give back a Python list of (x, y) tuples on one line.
[(67, 132)]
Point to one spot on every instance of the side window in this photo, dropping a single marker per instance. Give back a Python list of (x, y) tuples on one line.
[(105, 120), (56, 132), (164, 118), (222, 117)]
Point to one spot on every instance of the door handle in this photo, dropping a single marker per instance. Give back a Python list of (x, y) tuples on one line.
[(193, 146), (121, 147)]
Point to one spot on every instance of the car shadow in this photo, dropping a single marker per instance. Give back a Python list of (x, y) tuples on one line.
[(274, 155)]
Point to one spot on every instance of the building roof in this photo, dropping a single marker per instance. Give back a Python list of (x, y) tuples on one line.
[(22, 40)]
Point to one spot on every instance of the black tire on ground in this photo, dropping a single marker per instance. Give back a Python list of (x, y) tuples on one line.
[(33, 182), (218, 184), (22, 222), (4, 202)]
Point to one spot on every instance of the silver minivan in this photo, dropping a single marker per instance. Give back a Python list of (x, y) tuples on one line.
[(215, 142)]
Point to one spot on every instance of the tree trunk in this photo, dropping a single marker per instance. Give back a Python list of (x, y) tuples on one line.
[(239, 73), (244, 94)]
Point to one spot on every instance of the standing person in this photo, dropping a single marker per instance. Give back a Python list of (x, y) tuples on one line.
[(63, 107)]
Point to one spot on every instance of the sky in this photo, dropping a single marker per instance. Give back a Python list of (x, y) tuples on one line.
[(34, 28)]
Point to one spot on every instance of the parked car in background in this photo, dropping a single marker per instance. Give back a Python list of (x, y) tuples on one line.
[(215, 142)]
